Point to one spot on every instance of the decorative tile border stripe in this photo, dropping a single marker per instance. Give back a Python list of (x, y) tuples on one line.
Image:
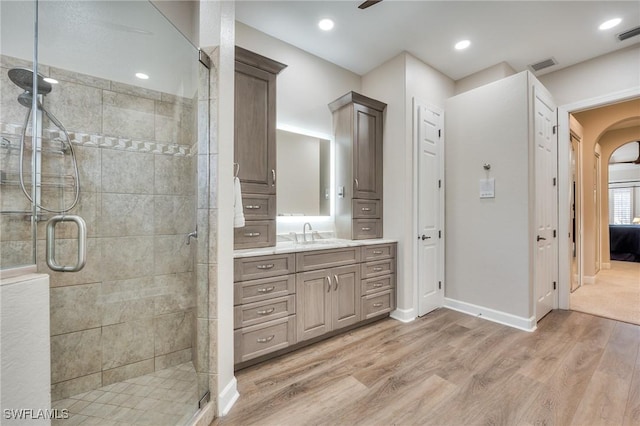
[(110, 142)]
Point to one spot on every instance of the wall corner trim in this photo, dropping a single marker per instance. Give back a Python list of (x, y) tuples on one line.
[(403, 315), (228, 397), (521, 323)]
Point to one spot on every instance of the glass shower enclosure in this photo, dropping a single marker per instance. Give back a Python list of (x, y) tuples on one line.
[(98, 185)]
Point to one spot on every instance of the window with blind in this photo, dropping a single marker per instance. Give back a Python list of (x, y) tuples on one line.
[(620, 206)]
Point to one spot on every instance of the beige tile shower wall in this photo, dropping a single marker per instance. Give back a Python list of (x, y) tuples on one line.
[(132, 309)]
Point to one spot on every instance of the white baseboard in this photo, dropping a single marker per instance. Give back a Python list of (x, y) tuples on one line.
[(605, 265), (228, 397), (403, 315), (526, 324), (588, 279)]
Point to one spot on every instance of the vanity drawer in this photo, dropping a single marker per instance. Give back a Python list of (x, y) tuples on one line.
[(367, 228), (263, 289), (382, 251), (248, 268), (364, 209), (266, 310), (257, 207), (257, 233), (261, 339), (377, 304), (312, 260), (375, 285), (378, 268)]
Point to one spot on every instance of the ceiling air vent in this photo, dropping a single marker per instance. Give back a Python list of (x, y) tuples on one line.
[(543, 64), (628, 34)]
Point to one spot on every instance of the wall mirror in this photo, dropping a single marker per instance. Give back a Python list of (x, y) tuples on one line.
[(304, 173)]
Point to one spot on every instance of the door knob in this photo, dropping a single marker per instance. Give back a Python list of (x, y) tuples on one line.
[(540, 238), (424, 237)]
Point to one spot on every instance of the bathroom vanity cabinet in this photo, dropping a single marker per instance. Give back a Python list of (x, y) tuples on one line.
[(255, 146), (288, 300), (357, 127)]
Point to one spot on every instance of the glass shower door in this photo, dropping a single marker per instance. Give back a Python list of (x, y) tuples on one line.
[(123, 99)]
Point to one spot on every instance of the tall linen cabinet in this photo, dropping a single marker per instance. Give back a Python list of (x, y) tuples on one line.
[(357, 128), (501, 201), (255, 146)]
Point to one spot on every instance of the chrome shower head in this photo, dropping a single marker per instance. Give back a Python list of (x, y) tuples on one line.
[(23, 78)]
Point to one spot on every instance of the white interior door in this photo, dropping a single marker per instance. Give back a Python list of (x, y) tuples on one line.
[(546, 203), (430, 203)]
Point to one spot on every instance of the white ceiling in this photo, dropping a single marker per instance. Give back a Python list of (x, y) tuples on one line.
[(518, 32)]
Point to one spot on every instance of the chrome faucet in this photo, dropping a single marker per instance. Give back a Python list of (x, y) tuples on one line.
[(304, 231)]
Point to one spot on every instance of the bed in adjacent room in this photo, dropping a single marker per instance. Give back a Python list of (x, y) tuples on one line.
[(624, 241)]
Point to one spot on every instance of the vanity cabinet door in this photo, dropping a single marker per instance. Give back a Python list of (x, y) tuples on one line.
[(367, 153), (255, 130), (345, 296), (313, 302)]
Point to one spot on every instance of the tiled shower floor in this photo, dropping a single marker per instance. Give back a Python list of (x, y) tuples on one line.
[(163, 398)]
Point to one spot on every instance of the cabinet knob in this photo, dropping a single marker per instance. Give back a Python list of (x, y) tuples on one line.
[(357, 184), (377, 252), (273, 177), (378, 269), (366, 209), (377, 305), (328, 283), (366, 228), (266, 289), (252, 234), (266, 311), (251, 207)]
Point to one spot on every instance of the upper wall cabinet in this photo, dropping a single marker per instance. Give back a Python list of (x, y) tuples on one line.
[(357, 126), (255, 146)]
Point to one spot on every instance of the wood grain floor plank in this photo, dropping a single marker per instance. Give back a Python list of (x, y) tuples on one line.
[(557, 400), (448, 368), (632, 410)]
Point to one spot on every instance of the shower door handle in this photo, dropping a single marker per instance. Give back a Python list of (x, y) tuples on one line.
[(51, 243)]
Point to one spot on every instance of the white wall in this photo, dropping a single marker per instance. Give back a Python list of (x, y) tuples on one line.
[(306, 86), (487, 240), (601, 76), (485, 76), (184, 14), (396, 83)]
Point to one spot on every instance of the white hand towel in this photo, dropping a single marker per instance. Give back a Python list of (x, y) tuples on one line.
[(238, 210)]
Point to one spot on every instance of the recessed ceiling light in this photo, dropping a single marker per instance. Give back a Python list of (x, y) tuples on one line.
[(462, 44), (142, 76), (50, 80), (326, 24), (610, 23)]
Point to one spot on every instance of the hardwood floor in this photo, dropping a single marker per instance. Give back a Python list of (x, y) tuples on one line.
[(448, 368)]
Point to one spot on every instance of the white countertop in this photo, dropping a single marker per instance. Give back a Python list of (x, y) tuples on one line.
[(322, 244)]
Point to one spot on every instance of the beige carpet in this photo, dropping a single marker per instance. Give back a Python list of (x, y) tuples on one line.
[(616, 293)]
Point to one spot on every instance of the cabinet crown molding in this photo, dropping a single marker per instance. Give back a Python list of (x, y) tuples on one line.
[(258, 61), (352, 97)]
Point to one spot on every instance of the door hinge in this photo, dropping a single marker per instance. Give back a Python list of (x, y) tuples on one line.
[(555, 181), (439, 133), (439, 234), (439, 285), (554, 233), (439, 183), (554, 285)]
